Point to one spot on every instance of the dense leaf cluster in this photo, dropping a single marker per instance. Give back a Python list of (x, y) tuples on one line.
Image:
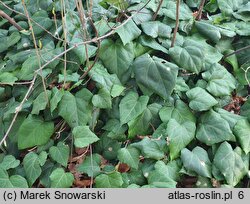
[(126, 109)]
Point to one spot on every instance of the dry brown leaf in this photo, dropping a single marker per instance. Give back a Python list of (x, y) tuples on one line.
[(122, 168)]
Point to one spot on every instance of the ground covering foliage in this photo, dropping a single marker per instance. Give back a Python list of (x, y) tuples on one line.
[(115, 93)]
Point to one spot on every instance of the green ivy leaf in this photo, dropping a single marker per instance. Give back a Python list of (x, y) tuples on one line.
[(140, 125), (83, 136), (230, 117), (76, 110), (44, 21), (211, 54), (80, 51), (107, 147), (133, 176), (128, 32), (60, 153), (42, 158), (60, 179), (180, 135), (155, 75), (242, 133), (32, 167), (14, 181), (56, 97), (115, 129), (2, 90), (200, 99), (103, 26), (229, 6), (188, 56), (117, 57), (170, 10), (144, 15), (151, 148), (130, 156), (229, 163), (9, 162), (116, 90), (100, 75), (213, 129), (147, 41), (132, 106), (193, 3), (9, 41), (161, 131), (197, 161), (121, 4), (41, 102), (47, 169), (34, 131), (243, 13), (208, 30), (220, 81), (245, 109), (180, 112), (75, 77), (102, 99), (164, 174), (156, 29), (181, 85), (34, 5), (111, 180), (7, 78)]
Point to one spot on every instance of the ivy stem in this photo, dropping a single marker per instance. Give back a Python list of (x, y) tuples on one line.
[(176, 22), (157, 10), (200, 10), (237, 51)]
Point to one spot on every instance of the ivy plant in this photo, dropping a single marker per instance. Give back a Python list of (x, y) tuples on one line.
[(122, 94)]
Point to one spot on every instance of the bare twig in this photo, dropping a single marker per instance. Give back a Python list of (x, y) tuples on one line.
[(97, 52), (237, 51), (37, 51), (90, 8), (63, 11), (11, 20), (18, 109), (176, 22), (80, 156), (92, 166), (157, 10), (62, 128), (83, 19), (200, 10), (16, 83)]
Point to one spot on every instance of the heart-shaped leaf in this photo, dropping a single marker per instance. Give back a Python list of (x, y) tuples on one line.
[(34, 131), (60, 153), (15, 181), (60, 179), (155, 75), (197, 161), (229, 163), (83, 136)]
